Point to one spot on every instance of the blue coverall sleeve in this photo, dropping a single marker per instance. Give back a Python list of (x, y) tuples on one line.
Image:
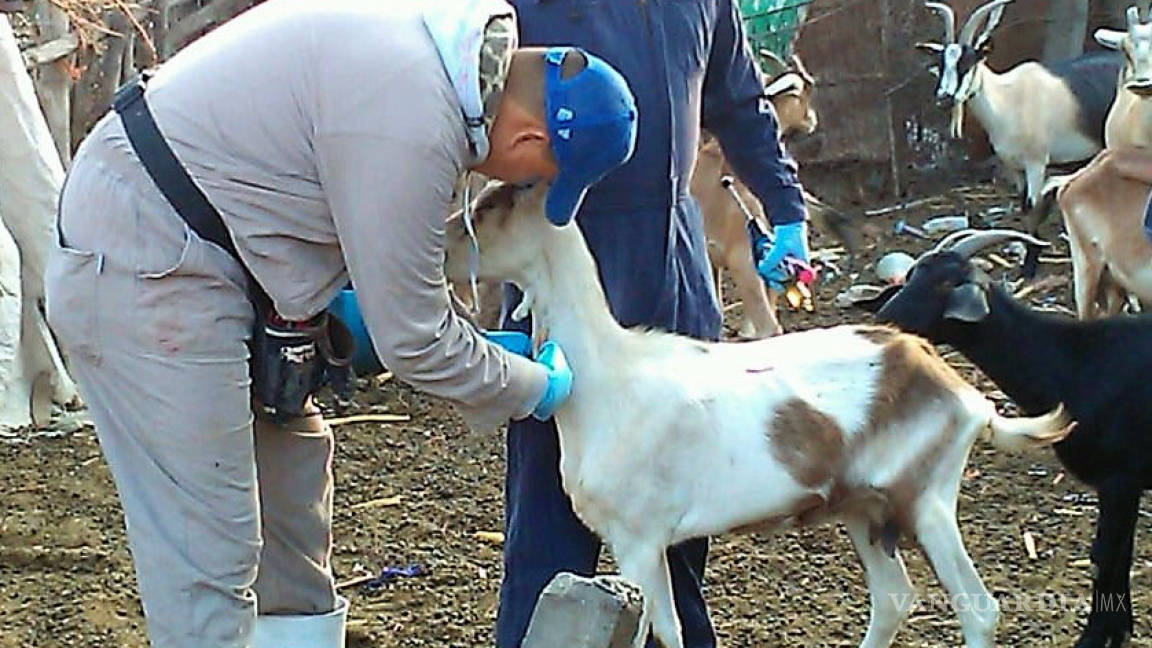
[(746, 126)]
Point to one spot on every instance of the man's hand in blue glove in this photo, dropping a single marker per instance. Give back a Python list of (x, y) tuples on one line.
[(512, 341), (559, 380), (791, 241), (559, 375)]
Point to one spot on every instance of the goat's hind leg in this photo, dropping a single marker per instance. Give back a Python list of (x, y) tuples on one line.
[(939, 535), (891, 592), (648, 567)]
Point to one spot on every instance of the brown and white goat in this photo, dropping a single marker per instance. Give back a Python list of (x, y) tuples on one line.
[(790, 90), (666, 438), (1034, 114), (1130, 118), (1104, 210)]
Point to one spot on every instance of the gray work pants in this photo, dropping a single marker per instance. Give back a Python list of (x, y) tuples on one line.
[(225, 517)]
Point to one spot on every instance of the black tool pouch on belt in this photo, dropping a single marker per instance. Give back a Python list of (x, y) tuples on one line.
[(290, 360)]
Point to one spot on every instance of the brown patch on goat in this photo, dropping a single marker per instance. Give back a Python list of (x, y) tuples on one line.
[(879, 335), (913, 377), (904, 493), (808, 442)]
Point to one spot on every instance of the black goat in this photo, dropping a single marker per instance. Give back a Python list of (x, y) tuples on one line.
[(1098, 369)]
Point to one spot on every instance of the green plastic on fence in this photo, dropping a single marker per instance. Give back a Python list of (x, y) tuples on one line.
[(772, 24)]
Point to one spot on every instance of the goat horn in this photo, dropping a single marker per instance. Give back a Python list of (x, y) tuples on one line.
[(949, 17), (975, 21), (1133, 17), (946, 241), (798, 68), (977, 240), (775, 63)]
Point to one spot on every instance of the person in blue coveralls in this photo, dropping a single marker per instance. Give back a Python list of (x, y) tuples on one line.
[(688, 65)]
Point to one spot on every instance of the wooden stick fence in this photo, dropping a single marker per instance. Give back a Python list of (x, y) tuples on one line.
[(85, 49)]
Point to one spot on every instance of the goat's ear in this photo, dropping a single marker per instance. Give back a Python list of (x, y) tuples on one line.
[(496, 194), (1110, 38), (968, 303), (931, 48), (874, 304)]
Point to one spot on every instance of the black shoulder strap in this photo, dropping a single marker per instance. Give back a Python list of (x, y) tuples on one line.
[(170, 176)]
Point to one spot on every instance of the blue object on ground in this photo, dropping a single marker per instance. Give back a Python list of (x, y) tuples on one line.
[(389, 574)]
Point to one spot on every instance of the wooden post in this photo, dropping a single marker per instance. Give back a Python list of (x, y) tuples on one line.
[(92, 95), (188, 27), (52, 80), (1064, 35)]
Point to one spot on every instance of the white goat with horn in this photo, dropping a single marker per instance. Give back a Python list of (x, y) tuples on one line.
[(666, 438), (1034, 114), (1130, 118)]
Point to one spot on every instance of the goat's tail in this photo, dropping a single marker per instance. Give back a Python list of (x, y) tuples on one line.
[(1025, 433), (831, 220)]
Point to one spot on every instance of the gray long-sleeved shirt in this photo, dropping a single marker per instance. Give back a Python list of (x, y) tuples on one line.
[(329, 137)]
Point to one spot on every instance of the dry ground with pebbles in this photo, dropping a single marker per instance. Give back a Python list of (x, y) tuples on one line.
[(66, 576)]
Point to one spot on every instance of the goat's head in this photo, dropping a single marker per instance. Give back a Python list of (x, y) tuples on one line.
[(1136, 45), (943, 289), (790, 88), (511, 232), (959, 57)]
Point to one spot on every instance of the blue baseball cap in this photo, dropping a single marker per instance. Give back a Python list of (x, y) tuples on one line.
[(592, 123)]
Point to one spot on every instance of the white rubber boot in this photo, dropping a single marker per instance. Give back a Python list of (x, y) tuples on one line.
[(302, 631)]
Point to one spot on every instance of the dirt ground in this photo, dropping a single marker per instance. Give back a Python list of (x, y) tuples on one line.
[(420, 492)]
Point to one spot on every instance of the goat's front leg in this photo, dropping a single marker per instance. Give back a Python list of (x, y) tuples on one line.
[(647, 566), (1110, 622), (891, 592), (47, 355), (1087, 273), (759, 311), (1034, 180), (1034, 184), (939, 535)]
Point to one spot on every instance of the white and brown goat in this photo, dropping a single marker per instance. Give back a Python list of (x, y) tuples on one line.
[(1035, 114), (666, 438), (790, 89), (1130, 118)]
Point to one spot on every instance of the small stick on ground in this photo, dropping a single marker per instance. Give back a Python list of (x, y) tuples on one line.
[(370, 418), (379, 501)]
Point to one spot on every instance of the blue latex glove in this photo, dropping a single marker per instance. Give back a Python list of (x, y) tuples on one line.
[(791, 241), (559, 380), (512, 341)]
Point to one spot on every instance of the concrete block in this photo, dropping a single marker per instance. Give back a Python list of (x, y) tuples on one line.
[(578, 612)]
